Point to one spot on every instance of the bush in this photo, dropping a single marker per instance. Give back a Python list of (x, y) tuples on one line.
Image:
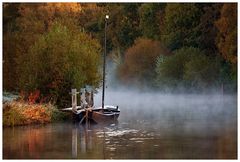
[(58, 61), (170, 69), (188, 67), (21, 113), (139, 62), (57, 115), (201, 72), (12, 116)]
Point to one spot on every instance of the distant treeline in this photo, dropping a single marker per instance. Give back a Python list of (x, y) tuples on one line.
[(48, 48)]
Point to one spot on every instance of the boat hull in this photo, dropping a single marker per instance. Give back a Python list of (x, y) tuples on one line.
[(100, 117), (97, 116)]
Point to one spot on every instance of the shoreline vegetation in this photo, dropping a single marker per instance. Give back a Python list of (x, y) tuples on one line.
[(19, 113)]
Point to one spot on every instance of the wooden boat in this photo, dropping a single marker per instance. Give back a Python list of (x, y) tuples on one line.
[(97, 115), (87, 112)]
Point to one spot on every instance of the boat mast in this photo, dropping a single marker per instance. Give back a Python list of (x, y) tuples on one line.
[(104, 59)]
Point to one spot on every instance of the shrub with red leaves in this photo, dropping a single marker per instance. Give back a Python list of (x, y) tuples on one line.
[(34, 97)]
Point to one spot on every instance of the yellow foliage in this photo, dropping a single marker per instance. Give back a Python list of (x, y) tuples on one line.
[(64, 7), (20, 113)]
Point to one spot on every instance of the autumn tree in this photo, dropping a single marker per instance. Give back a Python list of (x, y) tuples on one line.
[(91, 18), (227, 36), (37, 19), (226, 42), (139, 62), (24, 23), (58, 61)]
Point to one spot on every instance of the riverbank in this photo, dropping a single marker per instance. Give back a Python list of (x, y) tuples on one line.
[(16, 113)]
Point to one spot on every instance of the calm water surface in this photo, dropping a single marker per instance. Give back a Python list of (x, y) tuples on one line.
[(151, 126)]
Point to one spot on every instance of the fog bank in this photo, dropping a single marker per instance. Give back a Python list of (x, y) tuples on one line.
[(181, 113)]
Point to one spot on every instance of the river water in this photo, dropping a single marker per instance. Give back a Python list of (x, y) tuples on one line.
[(150, 126)]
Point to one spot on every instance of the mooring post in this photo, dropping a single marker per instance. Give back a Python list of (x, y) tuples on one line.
[(89, 96), (82, 98), (74, 100), (92, 99)]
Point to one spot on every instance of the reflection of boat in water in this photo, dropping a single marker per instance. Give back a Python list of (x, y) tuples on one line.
[(84, 139), (84, 143), (86, 111)]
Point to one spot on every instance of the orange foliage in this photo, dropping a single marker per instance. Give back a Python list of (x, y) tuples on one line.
[(23, 113), (36, 114), (65, 7), (34, 96), (140, 59), (227, 37)]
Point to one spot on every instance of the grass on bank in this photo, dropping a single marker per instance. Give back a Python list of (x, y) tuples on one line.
[(22, 113)]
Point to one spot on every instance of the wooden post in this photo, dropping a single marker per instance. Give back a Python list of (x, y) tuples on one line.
[(82, 98), (92, 99), (89, 95), (74, 100)]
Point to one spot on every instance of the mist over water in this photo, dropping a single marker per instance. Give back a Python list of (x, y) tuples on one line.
[(186, 111), (195, 126), (179, 113)]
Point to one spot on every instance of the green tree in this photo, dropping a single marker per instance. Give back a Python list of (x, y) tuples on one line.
[(202, 72), (180, 25), (170, 70), (10, 14), (228, 76), (150, 18), (123, 26), (9, 62), (207, 28), (60, 60), (123, 23)]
